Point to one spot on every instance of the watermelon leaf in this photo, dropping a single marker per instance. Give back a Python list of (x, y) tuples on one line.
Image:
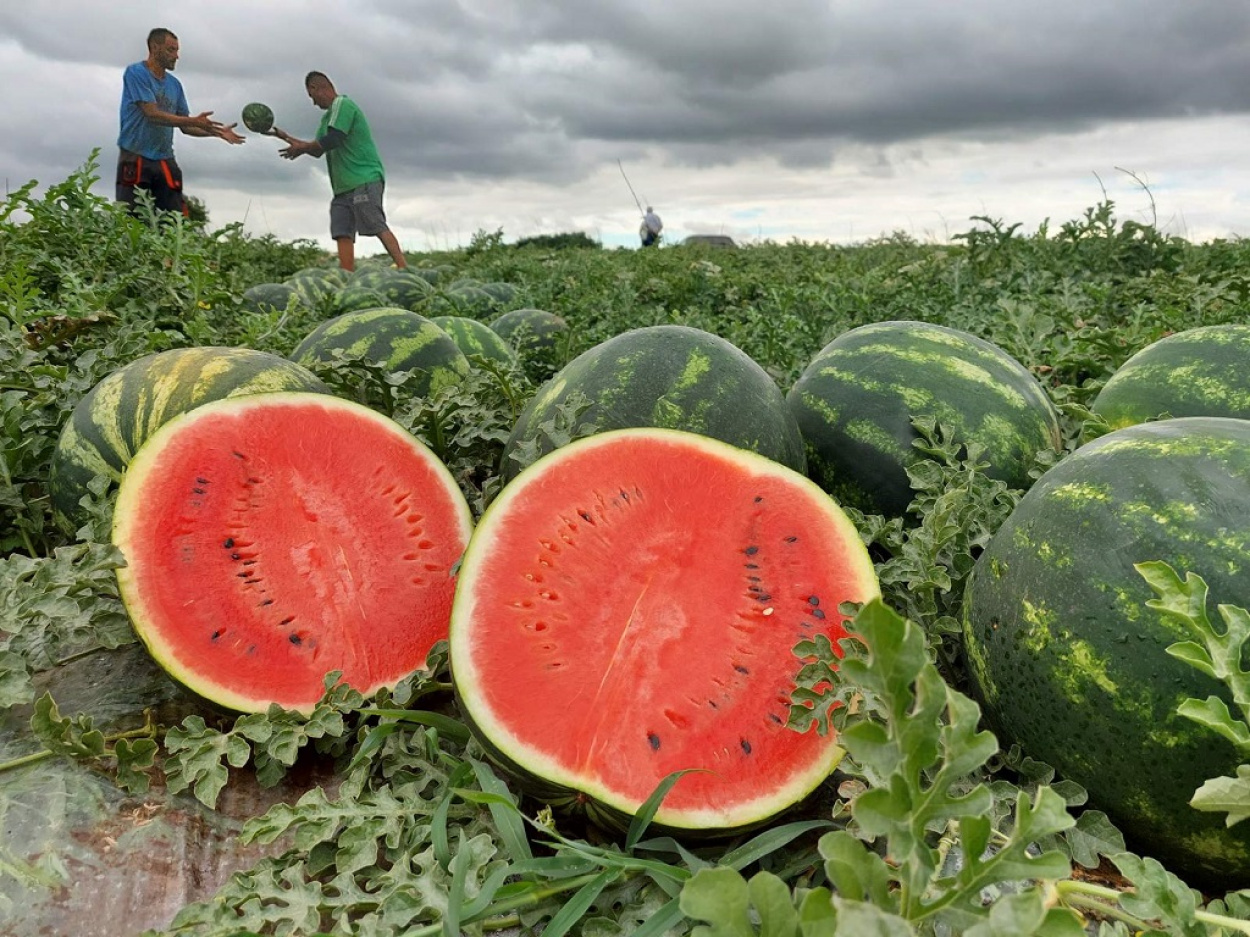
[(1226, 795)]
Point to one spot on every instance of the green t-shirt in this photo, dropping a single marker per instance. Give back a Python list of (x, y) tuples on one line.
[(355, 162)]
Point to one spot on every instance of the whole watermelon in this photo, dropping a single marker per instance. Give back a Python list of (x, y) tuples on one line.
[(396, 338), (1071, 663), (114, 418), (668, 377), (1198, 372), (476, 338), (856, 400)]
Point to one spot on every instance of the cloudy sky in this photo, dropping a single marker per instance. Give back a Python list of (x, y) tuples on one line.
[(823, 120)]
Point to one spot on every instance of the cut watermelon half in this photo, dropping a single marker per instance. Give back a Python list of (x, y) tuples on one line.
[(270, 540), (628, 607)]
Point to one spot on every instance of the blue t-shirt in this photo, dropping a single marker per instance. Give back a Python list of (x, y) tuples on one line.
[(138, 134)]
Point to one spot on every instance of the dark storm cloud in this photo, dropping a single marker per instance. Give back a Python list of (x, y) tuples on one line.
[(551, 90)]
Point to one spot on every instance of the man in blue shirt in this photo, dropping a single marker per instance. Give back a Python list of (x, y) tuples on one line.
[(153, 104)]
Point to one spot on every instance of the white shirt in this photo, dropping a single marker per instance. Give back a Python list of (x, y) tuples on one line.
[(651, 221)]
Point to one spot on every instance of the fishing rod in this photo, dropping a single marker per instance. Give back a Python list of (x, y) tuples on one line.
[(631, 188)]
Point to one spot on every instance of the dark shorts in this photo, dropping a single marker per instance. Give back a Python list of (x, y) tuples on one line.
[(358, 212), (161, 177)]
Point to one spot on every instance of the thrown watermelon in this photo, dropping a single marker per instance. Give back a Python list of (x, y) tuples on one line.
[(270, 540), (628, 607)]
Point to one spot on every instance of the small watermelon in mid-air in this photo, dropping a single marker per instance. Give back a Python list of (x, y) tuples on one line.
[(1198, 372), (258, 117), (270, 540), (114, 418), (856, 400), (1071, 662), (629, 607)]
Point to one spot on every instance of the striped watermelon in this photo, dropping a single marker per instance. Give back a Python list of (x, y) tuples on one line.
[(855, 401), (265, 297), (671, 377), (115, 417), (529, 330), (1071, 663), (476, 338), (628, 608), (396, 338), (1199, 372)]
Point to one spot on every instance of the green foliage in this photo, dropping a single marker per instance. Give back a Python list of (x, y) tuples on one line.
[(934, 829), (1217, 654)]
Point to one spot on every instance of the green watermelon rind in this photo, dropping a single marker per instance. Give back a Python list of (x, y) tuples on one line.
[(855, 402), (1070, 662), (110, 423), (530, 330), (399, 339), (476, 338), (127, 526), (668, 377), (548, 781), (1198, 372)]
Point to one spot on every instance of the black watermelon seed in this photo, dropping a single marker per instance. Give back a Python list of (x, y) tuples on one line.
[(295, 639), (752, 565), (217, 634), (235, 556), (740, 668), (253, 481), (746, 746), (243, 575), (712, 703), (763, 596), (287, 620), (237, 454), (251, 648), (792, 539), (199, 491), (758, 498), (586, 517), (753, 578), (751, 551), (229, 543), (775, 718), (624, 494), (818, 613), (654, 741), (267, 602), (813, 600)]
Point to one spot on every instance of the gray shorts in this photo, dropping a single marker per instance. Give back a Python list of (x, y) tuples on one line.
[(358, 212)]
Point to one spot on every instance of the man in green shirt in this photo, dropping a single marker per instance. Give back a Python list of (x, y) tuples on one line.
[(356, 174)]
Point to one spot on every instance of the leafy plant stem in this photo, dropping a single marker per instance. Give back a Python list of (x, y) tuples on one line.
[(144, 732), (492, 917)]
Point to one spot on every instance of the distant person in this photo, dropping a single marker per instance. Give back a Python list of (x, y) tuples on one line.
[(651, 228), (356, 174), (153, 104)]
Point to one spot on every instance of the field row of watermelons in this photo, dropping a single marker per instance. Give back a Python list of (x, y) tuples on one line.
[(800, 589)]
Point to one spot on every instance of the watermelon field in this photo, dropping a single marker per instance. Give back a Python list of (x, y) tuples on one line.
[(539, 588)]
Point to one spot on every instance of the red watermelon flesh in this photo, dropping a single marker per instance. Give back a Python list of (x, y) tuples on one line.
[(272, 539), (628, 608)]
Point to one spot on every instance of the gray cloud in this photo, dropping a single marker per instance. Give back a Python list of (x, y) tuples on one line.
[(552, 91)]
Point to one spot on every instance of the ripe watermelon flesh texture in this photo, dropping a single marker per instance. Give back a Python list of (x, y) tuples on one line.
[(629, 607), (270, 540)]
